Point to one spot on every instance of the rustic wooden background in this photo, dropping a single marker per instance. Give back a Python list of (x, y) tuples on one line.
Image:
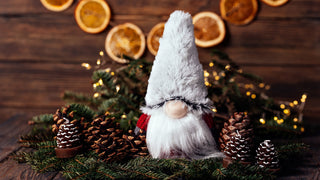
[(41, 51)]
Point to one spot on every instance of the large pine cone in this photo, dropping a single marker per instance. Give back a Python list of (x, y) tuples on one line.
[(237, 149), (107, 139), (267, 156), (238, 122)]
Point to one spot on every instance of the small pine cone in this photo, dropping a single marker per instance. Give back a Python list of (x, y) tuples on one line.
[(237, 149), (267, 156), (68, 135), (238, 122), (60, 117)]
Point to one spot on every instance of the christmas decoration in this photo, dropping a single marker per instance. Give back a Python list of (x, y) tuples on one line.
[(107, 139), (125, 39), (275, 3), (238, 123), (153, 38), (176, 97), (56, 5), (237, 149), (209, 29), (68, 140), (267, 156), (92, 16), (238, 12)]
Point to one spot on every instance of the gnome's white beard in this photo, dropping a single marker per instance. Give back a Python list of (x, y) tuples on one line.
[(188, 137)]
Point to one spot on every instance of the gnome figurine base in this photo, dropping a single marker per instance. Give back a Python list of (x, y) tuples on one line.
[(177, 117)]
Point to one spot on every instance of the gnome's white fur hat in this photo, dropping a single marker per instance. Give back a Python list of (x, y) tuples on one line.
[(177, 72)]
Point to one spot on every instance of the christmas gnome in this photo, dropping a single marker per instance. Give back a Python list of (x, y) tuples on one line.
[(177, 116)]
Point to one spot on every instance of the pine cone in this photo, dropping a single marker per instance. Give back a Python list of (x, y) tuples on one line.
[(68, 140), (237, 149), (68, 135), (267, 156), (107, 139), (238, 122), (60, 116)]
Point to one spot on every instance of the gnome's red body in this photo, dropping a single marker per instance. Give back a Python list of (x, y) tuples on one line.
[(144, 119)]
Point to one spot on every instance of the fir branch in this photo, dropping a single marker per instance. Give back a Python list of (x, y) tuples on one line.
[(43, 118)]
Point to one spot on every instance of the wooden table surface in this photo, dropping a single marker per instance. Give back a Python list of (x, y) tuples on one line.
[(41, 52)]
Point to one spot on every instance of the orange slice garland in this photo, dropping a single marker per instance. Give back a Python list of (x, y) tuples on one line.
[(92, 16), (238, 12), (275, 3), (209, 29), (125, 39), (153, 38), (56, 5)]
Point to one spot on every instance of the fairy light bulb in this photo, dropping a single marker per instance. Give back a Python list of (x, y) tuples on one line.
[(275, 118), (295, 119), (253, 96), (98, 62), (95, 95), (214, 110), (206, 74), (295, 102), (211, 64), (112, 73), (100, 82), (282, 106), (261, 85), (217, 78), (124, 116), (262, 121), (101, 53), (302, 129), (117, 88), (86, 65), (286, 111), (248, 93), (227, 67)]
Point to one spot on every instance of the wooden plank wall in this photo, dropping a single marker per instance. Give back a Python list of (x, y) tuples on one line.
[(41, 51)]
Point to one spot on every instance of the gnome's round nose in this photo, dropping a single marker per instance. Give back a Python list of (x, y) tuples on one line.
[(176, 109)]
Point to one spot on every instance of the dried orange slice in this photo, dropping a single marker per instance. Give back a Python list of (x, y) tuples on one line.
[(209, 29), (153, 38), (92, 16), (275, 3), (238, 12), (56, 5), (125, 39)]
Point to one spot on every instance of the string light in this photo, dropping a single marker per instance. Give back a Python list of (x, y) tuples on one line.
[(295, 126), (282, 106), (275, 118), (262, 121), (112, 73), (286, 111), (207, 83), (240, 71), (107, 70), (248, 93), (303, 98), (205, 73), (267, 87), (261, 85), (86, 65), (302, 129), (117, 88), (214, 110), (214, 73), (211, 64), (295, 119), (95, 95), (222, 74), (280, 121), (101, 53), (295, 102), (100, 82), (141, 66), (227, 67), (94, 85), (291, 104), (124, 116), (98, 62), (253, 96), (217, 78)]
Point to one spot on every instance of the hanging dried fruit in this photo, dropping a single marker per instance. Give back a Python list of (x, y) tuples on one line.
[(92, 16), (238, 12), (125, 39), (209, 29)]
